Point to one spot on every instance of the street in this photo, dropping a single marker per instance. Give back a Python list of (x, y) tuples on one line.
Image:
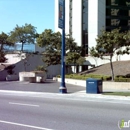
[(27, 111)]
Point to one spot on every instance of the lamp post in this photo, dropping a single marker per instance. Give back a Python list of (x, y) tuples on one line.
[(86, 43), (62, 88)]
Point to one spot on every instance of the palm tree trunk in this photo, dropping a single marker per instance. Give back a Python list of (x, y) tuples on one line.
[(1, 47), (22, 47), (112, 70)]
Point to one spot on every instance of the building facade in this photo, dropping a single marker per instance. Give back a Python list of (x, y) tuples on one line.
[(84, 19)]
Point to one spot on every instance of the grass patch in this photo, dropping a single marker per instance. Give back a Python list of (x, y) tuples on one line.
[(117, 93)]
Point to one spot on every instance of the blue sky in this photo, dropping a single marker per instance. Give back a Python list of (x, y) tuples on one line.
[(39, 13)]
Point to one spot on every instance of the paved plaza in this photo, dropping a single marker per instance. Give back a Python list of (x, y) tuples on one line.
[(49, 86)]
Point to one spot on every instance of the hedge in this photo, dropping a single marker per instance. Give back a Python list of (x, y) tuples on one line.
[(84, 77), (120, 79)]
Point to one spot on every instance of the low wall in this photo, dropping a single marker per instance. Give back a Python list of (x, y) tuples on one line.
[(106, 85)]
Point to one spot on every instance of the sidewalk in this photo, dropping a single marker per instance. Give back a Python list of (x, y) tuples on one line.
[(51, 88)]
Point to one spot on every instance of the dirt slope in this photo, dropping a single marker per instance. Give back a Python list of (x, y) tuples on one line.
[(120, 68)]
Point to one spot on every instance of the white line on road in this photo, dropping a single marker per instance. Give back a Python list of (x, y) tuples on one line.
[(31, 105), (23, 125)]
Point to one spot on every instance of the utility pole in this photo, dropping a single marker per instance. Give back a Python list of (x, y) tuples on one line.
[(62, 88)]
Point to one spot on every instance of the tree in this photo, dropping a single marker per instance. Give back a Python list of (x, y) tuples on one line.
[(110, 43), (25, 35), (74, 52), (2, 57), (51, 41), (52, 44), (4, 41)]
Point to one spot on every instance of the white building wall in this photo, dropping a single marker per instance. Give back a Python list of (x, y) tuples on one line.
[(123, 57), (98, 61), (96, 22), (67, 16), (92, 22), (77, 21), (96, 19)]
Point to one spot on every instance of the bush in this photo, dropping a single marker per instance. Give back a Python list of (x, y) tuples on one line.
[(128, 79), (41, 68), (85, 77), (2, 57), (127, 76), (58, 76), (116, 79), (119, 78), (122, 79), (10, 69), (106, 78)]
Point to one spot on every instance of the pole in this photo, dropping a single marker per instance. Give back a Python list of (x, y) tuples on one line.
[(63, 88)]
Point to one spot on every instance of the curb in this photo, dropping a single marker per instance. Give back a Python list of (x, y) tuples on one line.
[(81, 94)]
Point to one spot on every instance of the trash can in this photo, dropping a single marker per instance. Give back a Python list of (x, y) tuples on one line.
[(93, 85)]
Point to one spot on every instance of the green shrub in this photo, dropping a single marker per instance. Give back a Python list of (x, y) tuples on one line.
[(116, 79), (58, 76), (128, 79), (120, 79), (41, 68), (106, 78), (127, 76), (120, 76)]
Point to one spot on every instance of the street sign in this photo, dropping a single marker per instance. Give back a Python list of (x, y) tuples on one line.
[(60, 14)]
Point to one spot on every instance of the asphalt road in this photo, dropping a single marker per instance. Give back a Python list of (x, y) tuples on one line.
[(49, 86), (59, 112)]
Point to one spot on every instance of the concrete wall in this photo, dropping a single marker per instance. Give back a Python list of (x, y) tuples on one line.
[(29, 64), (12, 58), (32, 62), (3, 75), (106, 85), (39, 49)]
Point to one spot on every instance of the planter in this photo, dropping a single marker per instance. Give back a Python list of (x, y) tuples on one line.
[(55, 78), (34, 76)]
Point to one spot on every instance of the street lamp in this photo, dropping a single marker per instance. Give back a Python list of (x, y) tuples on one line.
[(62, 88), (86, 43)]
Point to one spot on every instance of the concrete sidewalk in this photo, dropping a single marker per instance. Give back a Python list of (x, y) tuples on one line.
[(51, 88), (48, 86)]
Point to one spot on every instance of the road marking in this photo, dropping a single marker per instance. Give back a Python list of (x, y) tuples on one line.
[(23, 125), (31, 105)]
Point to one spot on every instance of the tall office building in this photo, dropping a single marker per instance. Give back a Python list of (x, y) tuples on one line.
[(86, 18)]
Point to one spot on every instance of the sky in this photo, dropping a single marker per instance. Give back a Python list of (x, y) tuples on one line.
[(39, 13)]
